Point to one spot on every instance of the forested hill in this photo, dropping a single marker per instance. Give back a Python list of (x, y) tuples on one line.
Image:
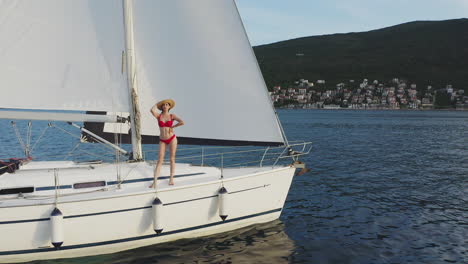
[(423, 52)]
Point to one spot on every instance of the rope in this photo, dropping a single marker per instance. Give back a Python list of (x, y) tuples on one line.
[(57, 188), (136, 114), (117, 153)]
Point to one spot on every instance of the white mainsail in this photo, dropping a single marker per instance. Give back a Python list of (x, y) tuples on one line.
[(69, 55), (197, 52), (62, 55)]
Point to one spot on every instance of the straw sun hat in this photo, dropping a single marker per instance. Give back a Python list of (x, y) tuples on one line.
[(169, 101)]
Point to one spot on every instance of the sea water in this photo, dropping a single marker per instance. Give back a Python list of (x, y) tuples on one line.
[(384, 187)]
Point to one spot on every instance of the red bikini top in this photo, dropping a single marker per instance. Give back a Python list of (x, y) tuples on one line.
[(165, 124)]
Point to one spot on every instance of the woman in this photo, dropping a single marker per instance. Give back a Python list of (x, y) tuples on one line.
[(167, 138)]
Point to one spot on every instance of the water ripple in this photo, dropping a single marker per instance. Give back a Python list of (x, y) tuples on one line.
[(385, 187)]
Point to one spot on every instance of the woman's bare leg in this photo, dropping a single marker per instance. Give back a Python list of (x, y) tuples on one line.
[(157, 170), (172, 149)]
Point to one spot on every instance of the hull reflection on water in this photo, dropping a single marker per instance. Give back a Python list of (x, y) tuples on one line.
[(264, 243)]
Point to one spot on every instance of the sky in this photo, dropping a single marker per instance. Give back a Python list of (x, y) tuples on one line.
[(268, 21)]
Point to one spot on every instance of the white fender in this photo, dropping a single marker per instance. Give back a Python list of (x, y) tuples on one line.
[(223, 203), (157, 208), (56, 222)]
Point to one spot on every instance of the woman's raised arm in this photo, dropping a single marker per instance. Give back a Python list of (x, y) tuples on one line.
[(154, 111)]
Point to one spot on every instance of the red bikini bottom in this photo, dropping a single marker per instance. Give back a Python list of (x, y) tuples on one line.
[(167, 141)]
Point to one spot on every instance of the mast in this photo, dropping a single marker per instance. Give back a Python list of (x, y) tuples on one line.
[(135, 116), (210, 51)]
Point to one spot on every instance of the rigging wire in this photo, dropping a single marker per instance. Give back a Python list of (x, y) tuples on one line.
[(26, 146), (40, 137), (101, 145), (18, 135), (73, 149)]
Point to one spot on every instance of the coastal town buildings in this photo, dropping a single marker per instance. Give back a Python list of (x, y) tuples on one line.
[(397, 94)]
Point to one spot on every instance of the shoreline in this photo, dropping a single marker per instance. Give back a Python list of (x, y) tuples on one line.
[(372, 109)]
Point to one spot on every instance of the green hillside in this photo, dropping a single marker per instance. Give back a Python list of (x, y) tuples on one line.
[(424, 52)]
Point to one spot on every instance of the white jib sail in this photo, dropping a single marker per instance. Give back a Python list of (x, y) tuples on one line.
[(197, 53), (62, 55)]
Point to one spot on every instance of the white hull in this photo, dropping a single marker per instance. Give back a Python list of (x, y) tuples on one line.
[(112, 220)]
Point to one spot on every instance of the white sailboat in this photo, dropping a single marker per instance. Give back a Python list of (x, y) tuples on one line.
[(66, 58)]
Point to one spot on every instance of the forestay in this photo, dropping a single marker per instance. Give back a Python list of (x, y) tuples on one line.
[(197, 52), (62, 55)]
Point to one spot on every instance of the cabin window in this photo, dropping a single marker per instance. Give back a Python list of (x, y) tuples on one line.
[(16, 190), (83, 185)]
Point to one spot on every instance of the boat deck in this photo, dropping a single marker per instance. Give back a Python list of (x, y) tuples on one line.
[(94, 180)]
